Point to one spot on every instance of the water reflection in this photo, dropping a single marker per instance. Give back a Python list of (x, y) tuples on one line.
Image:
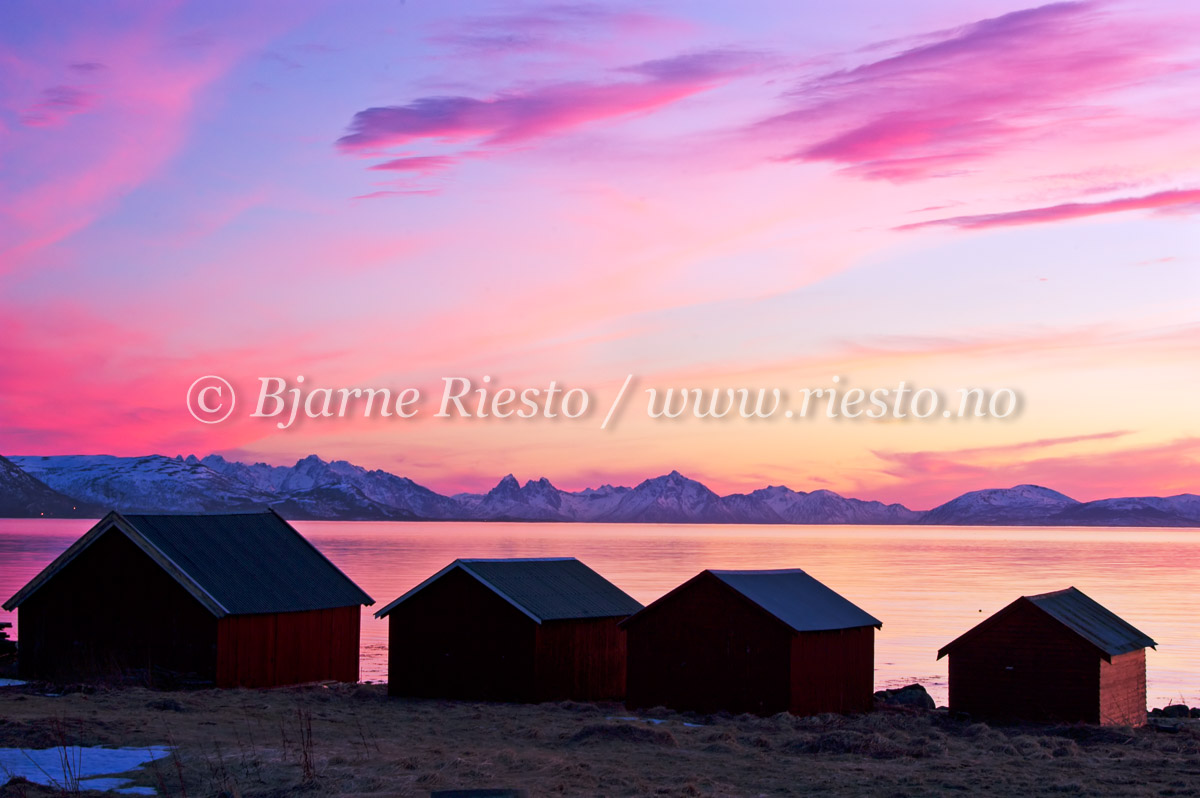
[(927, 584)]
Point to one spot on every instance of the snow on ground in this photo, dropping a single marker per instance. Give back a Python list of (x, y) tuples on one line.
[(74, 766), (11, 682)]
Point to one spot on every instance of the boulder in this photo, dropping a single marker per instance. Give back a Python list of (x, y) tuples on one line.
[(1175, 711), (913, 696)]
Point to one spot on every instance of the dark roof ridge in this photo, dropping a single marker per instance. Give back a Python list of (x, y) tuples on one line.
[(260, 565), (570, 591)]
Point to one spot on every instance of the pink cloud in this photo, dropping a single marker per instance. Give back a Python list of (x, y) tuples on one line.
[(396, 193), (515, 117), (553, 28), (984, 88), (927, 479), (1162, 201), (420, 164), (56, 103), (139, 85)]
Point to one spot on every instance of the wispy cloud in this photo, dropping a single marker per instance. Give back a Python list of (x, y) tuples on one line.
[(927, 478), (514, 117), (138, 87), (406, 192), (55, 104), (557, 27), (424, 165), (1163, 201), (913, 464), (983, 88)]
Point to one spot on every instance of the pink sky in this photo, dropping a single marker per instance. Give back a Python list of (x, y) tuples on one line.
[(385, 194)]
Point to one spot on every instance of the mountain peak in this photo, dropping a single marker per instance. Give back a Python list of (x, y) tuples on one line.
[(507, 485), (314, 489), (1020, 504)]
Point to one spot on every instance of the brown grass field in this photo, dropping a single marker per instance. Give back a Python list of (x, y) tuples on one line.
[(352, 740)]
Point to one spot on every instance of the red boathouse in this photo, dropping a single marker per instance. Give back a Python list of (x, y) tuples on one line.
[(752, 641), (236, 599), (509, 630), (1056, 657)]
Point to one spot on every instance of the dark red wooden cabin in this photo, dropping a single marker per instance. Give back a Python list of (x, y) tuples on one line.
[(509, 630), (237, 600), (752, 641), (1055, 657)]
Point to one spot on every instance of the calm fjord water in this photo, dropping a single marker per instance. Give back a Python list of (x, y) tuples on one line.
[(927, 584)]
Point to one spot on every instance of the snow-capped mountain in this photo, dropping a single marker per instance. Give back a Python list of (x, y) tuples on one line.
[(1181, 510), (1020, 505), (143, 484), (594, 504), (671, 499), (826, 507), (312, 482), (24, 496), (510, 501), (160, 484), (338, 490)]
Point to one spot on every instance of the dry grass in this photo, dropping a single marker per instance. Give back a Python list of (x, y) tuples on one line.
[(351, 740)]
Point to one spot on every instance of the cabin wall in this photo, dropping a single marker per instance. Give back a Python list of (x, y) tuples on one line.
[(580, 659), (459, 639), (267, 650), (706, 648), (1026, 666), (112, 613), (833, 671), (1123, 689)]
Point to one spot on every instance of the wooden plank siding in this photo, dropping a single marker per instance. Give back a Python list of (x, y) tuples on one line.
[(582, 659), (459, 639), (706, 648), (1025, 665), (288, 648), (112, 613), (833, 671), (1123, 689)]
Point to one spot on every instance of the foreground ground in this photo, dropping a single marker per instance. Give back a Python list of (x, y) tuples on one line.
[(347, 740)]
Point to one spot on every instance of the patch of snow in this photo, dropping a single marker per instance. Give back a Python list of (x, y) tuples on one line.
[(11, 682), (655, 721), (88, 768)]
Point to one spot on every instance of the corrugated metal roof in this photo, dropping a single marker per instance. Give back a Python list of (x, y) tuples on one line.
[(800, 601), (1078, 613), (1091, 621), (234, 564), (545, 589)]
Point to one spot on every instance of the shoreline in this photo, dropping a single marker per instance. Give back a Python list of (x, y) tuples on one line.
[(1041, 524)]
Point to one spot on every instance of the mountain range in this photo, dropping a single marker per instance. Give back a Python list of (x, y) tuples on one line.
[(314, 489)]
